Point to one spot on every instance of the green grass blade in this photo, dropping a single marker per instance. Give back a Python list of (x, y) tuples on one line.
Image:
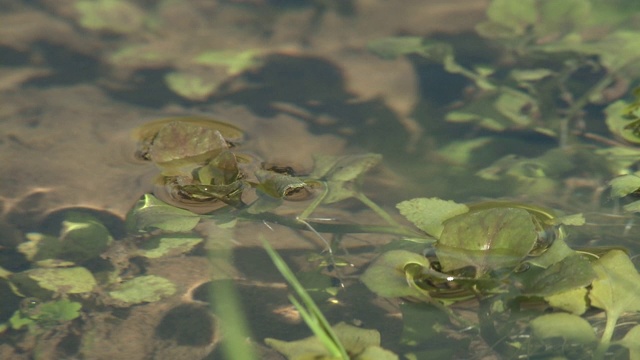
[(310, 311)]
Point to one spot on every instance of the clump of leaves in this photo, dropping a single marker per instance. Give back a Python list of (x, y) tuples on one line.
[(508, 255)]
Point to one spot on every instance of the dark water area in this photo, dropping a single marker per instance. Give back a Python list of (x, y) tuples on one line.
[(438, 175)]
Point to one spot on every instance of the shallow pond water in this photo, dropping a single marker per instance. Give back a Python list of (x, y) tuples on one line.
[(346, 109)]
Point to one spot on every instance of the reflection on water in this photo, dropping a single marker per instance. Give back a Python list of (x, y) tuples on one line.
[(476, 101)]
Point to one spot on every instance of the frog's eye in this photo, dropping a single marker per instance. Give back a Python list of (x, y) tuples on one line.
[(546, 237)]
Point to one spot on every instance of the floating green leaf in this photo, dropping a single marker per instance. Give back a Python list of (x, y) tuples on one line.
[(486, 239), (148, 288), (429, 214), (150, 213), (624, 185), (616, 290), (569, 327)]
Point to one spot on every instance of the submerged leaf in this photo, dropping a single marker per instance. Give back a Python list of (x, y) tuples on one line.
[(393, 47), (81, 238), (356, 341), (566, 326), (46, 314), (190, 86), (234, 61), (487, 239), (429, 214), (42, 282), (150, 213), (148, 288), (169, 244)]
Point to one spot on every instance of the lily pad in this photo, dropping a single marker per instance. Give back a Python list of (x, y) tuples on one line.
[(486, 239), (149, 213), (429, 214), (148, 288)]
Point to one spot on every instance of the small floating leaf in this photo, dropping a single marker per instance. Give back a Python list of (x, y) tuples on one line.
[(429, 214), (148, 288), (624, 185), (150, 213)]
